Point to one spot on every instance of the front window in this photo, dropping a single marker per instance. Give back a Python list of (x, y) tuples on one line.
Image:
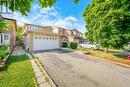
[(6, 37)]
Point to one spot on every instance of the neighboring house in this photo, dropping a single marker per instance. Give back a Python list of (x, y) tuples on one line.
[(69, 35), (8, 36), (43, 38)]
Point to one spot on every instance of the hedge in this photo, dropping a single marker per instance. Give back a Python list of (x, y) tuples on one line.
[(64, 44), (73, 45)]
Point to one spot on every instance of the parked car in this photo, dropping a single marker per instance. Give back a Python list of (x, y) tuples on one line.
[(89, 45)]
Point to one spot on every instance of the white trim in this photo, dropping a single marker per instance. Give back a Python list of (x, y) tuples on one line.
[(3, 39)]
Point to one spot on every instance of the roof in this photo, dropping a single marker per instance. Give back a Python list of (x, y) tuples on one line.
[(35, 25), (45, 33), (76, 30), (50, 27)]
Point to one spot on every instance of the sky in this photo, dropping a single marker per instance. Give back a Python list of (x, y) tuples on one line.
[(65, 14)]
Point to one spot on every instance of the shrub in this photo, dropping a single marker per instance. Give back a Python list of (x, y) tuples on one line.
[(64, 44), (4, 51), (73, 45)]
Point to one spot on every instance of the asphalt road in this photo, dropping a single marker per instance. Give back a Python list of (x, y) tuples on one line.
[(70, 69)]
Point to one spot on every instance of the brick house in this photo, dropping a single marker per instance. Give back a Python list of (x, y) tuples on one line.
[(8, 36)]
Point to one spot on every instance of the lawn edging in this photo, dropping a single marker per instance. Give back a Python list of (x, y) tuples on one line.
[(48, 77)]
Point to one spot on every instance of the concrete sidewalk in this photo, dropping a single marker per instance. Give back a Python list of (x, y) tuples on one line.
[(18, 51)]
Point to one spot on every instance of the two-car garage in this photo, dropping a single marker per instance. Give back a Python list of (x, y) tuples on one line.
[(41, 42), (37, 41)]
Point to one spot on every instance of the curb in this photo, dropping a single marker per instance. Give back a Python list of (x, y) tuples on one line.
[(121, 64), (51, 81)]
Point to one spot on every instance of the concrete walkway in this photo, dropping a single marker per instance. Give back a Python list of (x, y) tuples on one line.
[(41, 80), (18, 51)]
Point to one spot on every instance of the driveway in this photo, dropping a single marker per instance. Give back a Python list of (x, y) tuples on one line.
[(69, 69)]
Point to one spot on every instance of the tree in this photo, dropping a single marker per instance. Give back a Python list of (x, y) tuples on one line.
[(5, 24), (108, 22), (24, 6), (19, 35)]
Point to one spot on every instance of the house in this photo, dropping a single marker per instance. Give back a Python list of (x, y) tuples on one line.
[(8, 36), (69, 35), (40, 38), (48, 37)]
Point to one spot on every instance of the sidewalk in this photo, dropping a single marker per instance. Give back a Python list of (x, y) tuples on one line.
[(18, 51)]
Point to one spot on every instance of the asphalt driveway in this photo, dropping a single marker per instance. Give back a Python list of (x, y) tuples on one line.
[(70, 69)]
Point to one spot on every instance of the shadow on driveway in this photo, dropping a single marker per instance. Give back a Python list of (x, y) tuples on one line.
[(54, 50)]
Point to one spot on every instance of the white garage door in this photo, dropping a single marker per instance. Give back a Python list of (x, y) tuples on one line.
[(45, 42)]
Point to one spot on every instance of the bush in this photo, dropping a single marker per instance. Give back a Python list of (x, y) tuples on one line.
[(4, 51), (64, 44), (73, 45)]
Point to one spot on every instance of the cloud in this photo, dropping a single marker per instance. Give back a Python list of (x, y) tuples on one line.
[(70, 18), (48, 16)]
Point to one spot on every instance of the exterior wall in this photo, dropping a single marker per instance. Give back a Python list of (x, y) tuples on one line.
[(12, 33), (31, 41), (28, 41), (78, 37)]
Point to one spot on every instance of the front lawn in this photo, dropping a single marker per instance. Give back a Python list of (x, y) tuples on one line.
[(116, 57), (17, 73)]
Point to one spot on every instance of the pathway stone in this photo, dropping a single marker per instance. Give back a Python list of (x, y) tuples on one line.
[(41, 81)]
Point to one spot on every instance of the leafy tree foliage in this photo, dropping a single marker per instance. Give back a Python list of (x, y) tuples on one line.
[(108, 22), (24, 6), (19, 35), (5, 24)]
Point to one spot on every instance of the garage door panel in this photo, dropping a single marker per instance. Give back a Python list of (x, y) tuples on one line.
[(44, 43)]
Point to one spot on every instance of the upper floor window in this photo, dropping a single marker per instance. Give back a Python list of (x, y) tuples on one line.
[(73, 32), (32, 28), (10, 27), (65, 40)]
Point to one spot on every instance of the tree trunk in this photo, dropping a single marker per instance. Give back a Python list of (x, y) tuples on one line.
[(0, 16), (106, 50)]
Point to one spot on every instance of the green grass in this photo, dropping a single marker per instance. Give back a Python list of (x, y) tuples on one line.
[(120, 58), (17, 73)]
